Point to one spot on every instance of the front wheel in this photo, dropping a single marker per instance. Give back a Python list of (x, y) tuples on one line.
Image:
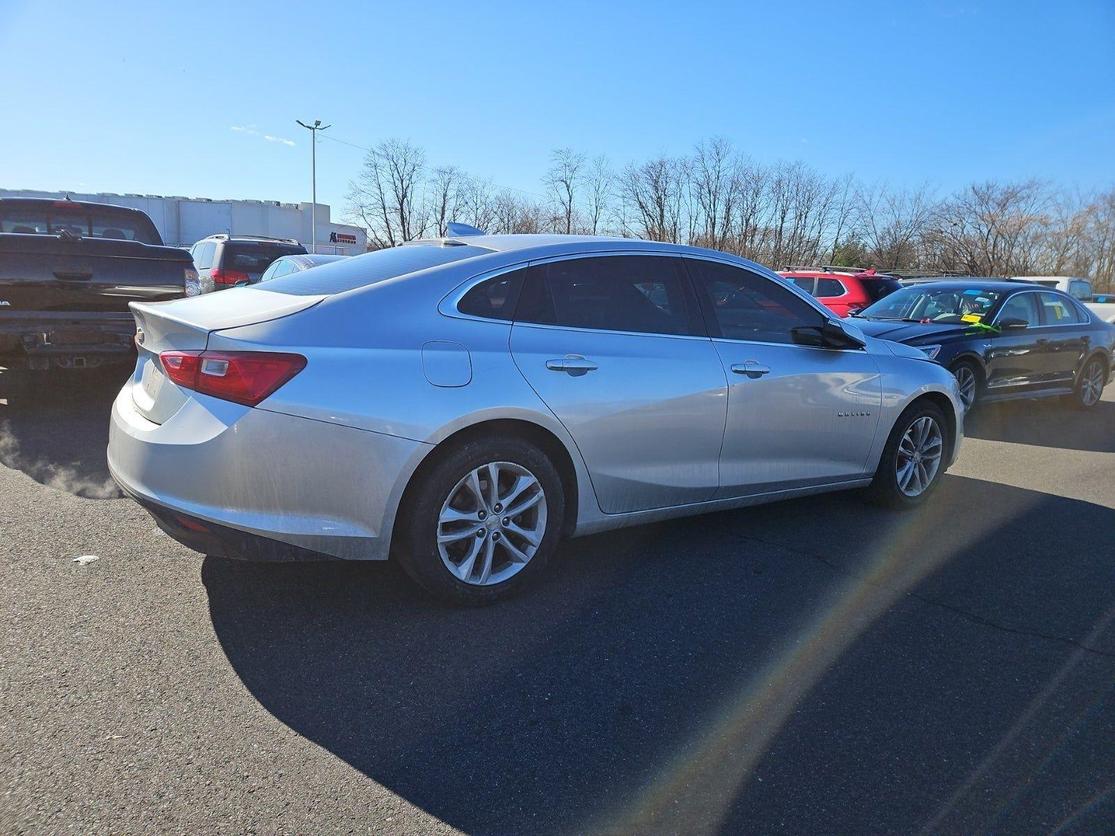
[(1089, 384), (483, 521), (914, 458)]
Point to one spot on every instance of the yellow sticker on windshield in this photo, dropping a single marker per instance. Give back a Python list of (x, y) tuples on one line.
[(971, 317)]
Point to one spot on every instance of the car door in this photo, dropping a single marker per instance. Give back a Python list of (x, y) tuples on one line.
[(1013, 355), (614, 345), (797, 415), (1064, 340)]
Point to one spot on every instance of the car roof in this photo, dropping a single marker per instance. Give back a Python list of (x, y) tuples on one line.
[(955, 282), (59, 202), (311, 259), (530, 246)]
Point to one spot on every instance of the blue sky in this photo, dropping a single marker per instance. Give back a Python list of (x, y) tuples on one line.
[(182, 98)]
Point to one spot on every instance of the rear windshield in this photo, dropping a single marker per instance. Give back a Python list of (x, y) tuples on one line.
[(878, 288), (255, 258), (79, 220), (370, 268)]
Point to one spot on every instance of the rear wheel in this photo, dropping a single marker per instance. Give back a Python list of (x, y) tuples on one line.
[(483, 521), (968, 380), (1089, 384), (913, 460)]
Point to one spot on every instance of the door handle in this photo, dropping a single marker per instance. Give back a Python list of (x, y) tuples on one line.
[(752, 369), (573, 364), (73, 275)]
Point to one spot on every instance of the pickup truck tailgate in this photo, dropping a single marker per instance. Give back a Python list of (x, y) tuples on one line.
[(185, 325)]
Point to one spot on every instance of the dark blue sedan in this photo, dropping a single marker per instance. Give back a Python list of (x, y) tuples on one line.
[(1002, 340)]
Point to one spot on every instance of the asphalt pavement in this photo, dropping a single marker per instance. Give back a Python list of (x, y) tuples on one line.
[(820, 665)]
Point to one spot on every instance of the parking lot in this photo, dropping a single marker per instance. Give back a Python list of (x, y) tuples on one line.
[(819, 665)]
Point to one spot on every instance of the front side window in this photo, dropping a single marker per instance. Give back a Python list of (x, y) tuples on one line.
[(640, 294), (1022, 306), (1058, 310), (494, 298), (746, 306)]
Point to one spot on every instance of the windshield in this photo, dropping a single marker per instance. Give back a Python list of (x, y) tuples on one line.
[(934, 304)]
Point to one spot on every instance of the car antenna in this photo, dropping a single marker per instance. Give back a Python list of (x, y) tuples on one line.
[(456, 229)]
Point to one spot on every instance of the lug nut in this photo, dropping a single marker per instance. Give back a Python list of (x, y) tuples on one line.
[(507, 521), (479, 532), (498, 508), (482, 514), (495, 535)]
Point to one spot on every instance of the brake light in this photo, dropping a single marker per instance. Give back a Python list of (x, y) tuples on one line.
[(228, 277), (244, 377)]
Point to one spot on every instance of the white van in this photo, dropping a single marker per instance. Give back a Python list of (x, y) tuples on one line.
[(1074, 286)]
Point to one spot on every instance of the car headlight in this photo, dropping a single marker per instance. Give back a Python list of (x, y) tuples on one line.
[(931, 351)]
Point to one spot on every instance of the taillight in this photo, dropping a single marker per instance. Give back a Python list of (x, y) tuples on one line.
[(193, 287), (245, 377), (228, 277)]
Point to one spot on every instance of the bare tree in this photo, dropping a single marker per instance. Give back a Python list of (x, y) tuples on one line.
[(445, 197), (387, 195), (892, 225), (715, 187), (654, 192), (599, 183), (563, 179)]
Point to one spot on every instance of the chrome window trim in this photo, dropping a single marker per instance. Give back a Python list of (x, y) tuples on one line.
[(1002, 305)]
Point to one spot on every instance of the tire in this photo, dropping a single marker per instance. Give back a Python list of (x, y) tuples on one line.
[(889, 488), (969, 377), (481, 536), (1089, 383)]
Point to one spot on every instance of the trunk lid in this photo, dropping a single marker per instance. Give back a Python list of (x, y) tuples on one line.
[(185, 325)]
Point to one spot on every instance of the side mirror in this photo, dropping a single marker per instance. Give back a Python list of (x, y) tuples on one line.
[(1013, 323), (832, 334)]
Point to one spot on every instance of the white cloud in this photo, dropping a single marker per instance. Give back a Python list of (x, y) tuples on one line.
[(251, 130)]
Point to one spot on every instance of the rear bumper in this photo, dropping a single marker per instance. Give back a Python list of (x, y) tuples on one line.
[(234, 481), (65, 339)]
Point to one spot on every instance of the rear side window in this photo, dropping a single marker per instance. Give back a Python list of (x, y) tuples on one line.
[(494, 298), (1057, 310), (745, 306), (371, 268), (255, 258), (637, 294), (827, 288)]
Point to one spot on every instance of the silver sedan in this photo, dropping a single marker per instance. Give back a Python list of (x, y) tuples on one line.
[(462, 404)]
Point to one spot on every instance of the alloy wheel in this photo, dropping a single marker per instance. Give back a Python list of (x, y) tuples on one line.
[(492, 523), (1091, 383), (919, 456), (966, 381)]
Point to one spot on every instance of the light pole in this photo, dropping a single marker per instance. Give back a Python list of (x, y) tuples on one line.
[(313, 129)]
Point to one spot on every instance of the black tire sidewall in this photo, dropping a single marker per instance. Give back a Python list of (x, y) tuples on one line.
[(977, 371), (1078, 390), (884, 488), (418, 552)]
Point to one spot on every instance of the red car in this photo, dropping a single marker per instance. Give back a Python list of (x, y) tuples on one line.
[(843, 293)]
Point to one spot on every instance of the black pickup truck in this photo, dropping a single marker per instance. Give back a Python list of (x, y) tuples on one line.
[(68, 270)]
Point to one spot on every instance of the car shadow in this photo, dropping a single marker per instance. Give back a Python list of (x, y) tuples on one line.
[(56, 431), (1047, 423), (818, 665)]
